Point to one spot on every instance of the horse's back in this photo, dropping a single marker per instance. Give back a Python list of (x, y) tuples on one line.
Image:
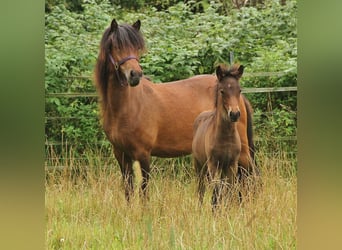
[(188, 97), (200, 85)]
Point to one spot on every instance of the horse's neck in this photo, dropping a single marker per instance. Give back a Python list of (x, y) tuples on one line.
[(118, 95)]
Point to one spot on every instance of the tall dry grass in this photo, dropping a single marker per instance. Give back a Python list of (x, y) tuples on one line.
[(86, 209)]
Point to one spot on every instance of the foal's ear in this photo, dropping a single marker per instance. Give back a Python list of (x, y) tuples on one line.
[(136, 25), (240, 71), (219, 72), (113, 26)]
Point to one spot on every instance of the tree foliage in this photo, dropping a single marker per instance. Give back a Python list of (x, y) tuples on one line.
[(181, 43)]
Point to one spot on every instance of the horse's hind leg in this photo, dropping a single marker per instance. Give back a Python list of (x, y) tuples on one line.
[(125, 163)]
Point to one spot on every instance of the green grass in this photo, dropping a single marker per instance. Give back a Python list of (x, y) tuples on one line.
[(90, 212)]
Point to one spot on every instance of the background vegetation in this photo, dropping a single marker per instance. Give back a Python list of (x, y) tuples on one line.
[(183, 39)]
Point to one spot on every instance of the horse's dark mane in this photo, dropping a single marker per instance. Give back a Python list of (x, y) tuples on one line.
[(125, 38), (227, 72)]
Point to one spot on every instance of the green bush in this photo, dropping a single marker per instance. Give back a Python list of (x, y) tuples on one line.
[(71, 47), (180, 44)]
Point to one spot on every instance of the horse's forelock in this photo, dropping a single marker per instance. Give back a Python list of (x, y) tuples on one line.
[(127, 38)]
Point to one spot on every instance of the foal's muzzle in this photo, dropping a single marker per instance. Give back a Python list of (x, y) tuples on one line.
[(234, 116)]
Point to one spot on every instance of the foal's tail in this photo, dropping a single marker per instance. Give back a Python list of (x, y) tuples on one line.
[(250, 129)]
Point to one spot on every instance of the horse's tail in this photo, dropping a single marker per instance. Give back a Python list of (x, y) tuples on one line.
[(250, 130)]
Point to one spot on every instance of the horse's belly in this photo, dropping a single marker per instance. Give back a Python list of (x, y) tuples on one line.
[(169, 153), (174, 147)]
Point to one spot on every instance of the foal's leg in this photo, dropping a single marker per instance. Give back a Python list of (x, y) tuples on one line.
[(213, 168), (125, 163), (217, 195), (201, 175), (229, 178)]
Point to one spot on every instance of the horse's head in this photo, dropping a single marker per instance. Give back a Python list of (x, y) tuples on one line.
[(124, 44), (229, 90)]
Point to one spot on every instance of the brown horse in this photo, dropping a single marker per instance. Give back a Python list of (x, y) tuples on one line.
[(140, 118), (216, 145)]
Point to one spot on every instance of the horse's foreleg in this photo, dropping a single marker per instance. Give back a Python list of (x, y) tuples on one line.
[(145, 172), (249, 176), (125, 163), (245, 161), (247, 164)]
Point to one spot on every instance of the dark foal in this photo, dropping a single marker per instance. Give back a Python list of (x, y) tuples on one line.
[(216, 145)]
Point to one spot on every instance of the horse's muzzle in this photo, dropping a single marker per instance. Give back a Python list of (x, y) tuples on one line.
[(134, 78), (234, 116)]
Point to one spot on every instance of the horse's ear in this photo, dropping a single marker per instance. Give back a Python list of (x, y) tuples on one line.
[(136, 25), (113, 26), (240, 70), (219, 72)]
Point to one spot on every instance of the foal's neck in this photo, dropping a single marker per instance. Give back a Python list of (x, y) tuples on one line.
[(224, 126)]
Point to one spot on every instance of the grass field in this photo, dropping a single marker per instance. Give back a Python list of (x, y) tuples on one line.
[(89, 211)]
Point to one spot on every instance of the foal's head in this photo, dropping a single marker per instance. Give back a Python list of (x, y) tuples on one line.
[(123, 45), (228, 91)]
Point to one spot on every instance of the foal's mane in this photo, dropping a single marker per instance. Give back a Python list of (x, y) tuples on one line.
[(226, 71), (124, 38)]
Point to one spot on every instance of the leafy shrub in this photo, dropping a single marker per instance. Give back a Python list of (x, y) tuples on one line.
[(71, 47), (180, 44)]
